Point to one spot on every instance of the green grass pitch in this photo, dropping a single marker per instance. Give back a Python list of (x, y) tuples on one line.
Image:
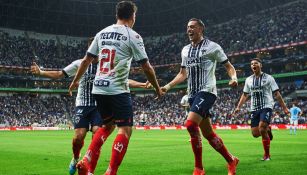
[(153, 152)]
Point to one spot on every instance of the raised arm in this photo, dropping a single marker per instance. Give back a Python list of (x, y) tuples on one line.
[(49, 74)]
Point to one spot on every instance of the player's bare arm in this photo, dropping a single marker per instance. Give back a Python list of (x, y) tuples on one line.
[(49, 74), (231, 71), (281, 102), (151, 77), (180, 77), (242, 100), (136, 84), (87, 60)]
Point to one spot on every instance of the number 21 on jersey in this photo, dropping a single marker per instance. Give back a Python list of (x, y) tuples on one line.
[(107, 60)]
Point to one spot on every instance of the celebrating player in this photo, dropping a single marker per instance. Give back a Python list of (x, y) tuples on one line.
[(295, 113), (198, 65), (115, 46), (260, 87), (86, 112)]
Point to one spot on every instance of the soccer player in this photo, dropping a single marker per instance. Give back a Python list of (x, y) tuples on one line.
[(86, 112), (260, 86), (199, 60), (115, 46), (295, 113)]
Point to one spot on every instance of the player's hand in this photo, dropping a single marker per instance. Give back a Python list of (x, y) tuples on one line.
[(235, 111), (35, 69), (286, 111), (233, 83), (165, 88), (148, 85), (72, 86), (159, 93)]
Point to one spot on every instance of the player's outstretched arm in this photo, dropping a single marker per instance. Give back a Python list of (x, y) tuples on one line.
[(231, 71), (242, 100), (281, 102), (136, 84), (87, 60), (180, 77), (49, 74), (151, 77)]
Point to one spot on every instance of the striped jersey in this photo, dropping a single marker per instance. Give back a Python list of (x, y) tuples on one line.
[(294, 111), (84, 95), (260, 89), (200, 62), (115, 46)]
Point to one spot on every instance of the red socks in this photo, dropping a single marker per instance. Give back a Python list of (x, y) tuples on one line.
[(76, 148), (196, 143), (93, 151), (217, 143), (266, 146), (119, 149)]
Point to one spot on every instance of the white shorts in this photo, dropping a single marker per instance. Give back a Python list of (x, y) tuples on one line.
[(293, 122)]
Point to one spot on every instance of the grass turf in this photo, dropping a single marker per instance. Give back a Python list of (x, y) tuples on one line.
[(153, 152)]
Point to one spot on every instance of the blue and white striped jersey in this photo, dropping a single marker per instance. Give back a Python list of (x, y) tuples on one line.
[(84, 95), (260, 89), (200, 62)]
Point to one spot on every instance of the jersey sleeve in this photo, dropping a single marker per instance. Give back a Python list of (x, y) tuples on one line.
[(274, 86), (93, 50), (138, 48), (246, 88), (71, 69), (219, 54), (183, 60)]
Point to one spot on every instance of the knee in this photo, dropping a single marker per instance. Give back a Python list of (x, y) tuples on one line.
[(263, 130), (78, 139), (191, 126)]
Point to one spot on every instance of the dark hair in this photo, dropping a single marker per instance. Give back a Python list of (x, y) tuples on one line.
[(125, 9), (257, 59), (199, 22), (89, 41)]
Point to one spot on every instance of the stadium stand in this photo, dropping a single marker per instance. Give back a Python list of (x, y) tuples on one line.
[(270, 37)]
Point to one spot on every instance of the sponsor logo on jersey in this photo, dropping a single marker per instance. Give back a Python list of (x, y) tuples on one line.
[(113, 36)]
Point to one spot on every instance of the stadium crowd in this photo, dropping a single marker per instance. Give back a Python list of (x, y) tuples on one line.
[(285, 24), (26, 110)]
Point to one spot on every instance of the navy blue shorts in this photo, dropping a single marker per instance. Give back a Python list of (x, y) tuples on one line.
[(201, 103), (86, 116), (264, 114), (116, 108)]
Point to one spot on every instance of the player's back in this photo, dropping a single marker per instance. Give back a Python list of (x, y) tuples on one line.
[(117, 45)]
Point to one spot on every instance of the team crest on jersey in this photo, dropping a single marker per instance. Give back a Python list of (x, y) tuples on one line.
[(137, 36)]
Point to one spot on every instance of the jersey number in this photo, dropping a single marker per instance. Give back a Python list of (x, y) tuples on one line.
[(109, 56)]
